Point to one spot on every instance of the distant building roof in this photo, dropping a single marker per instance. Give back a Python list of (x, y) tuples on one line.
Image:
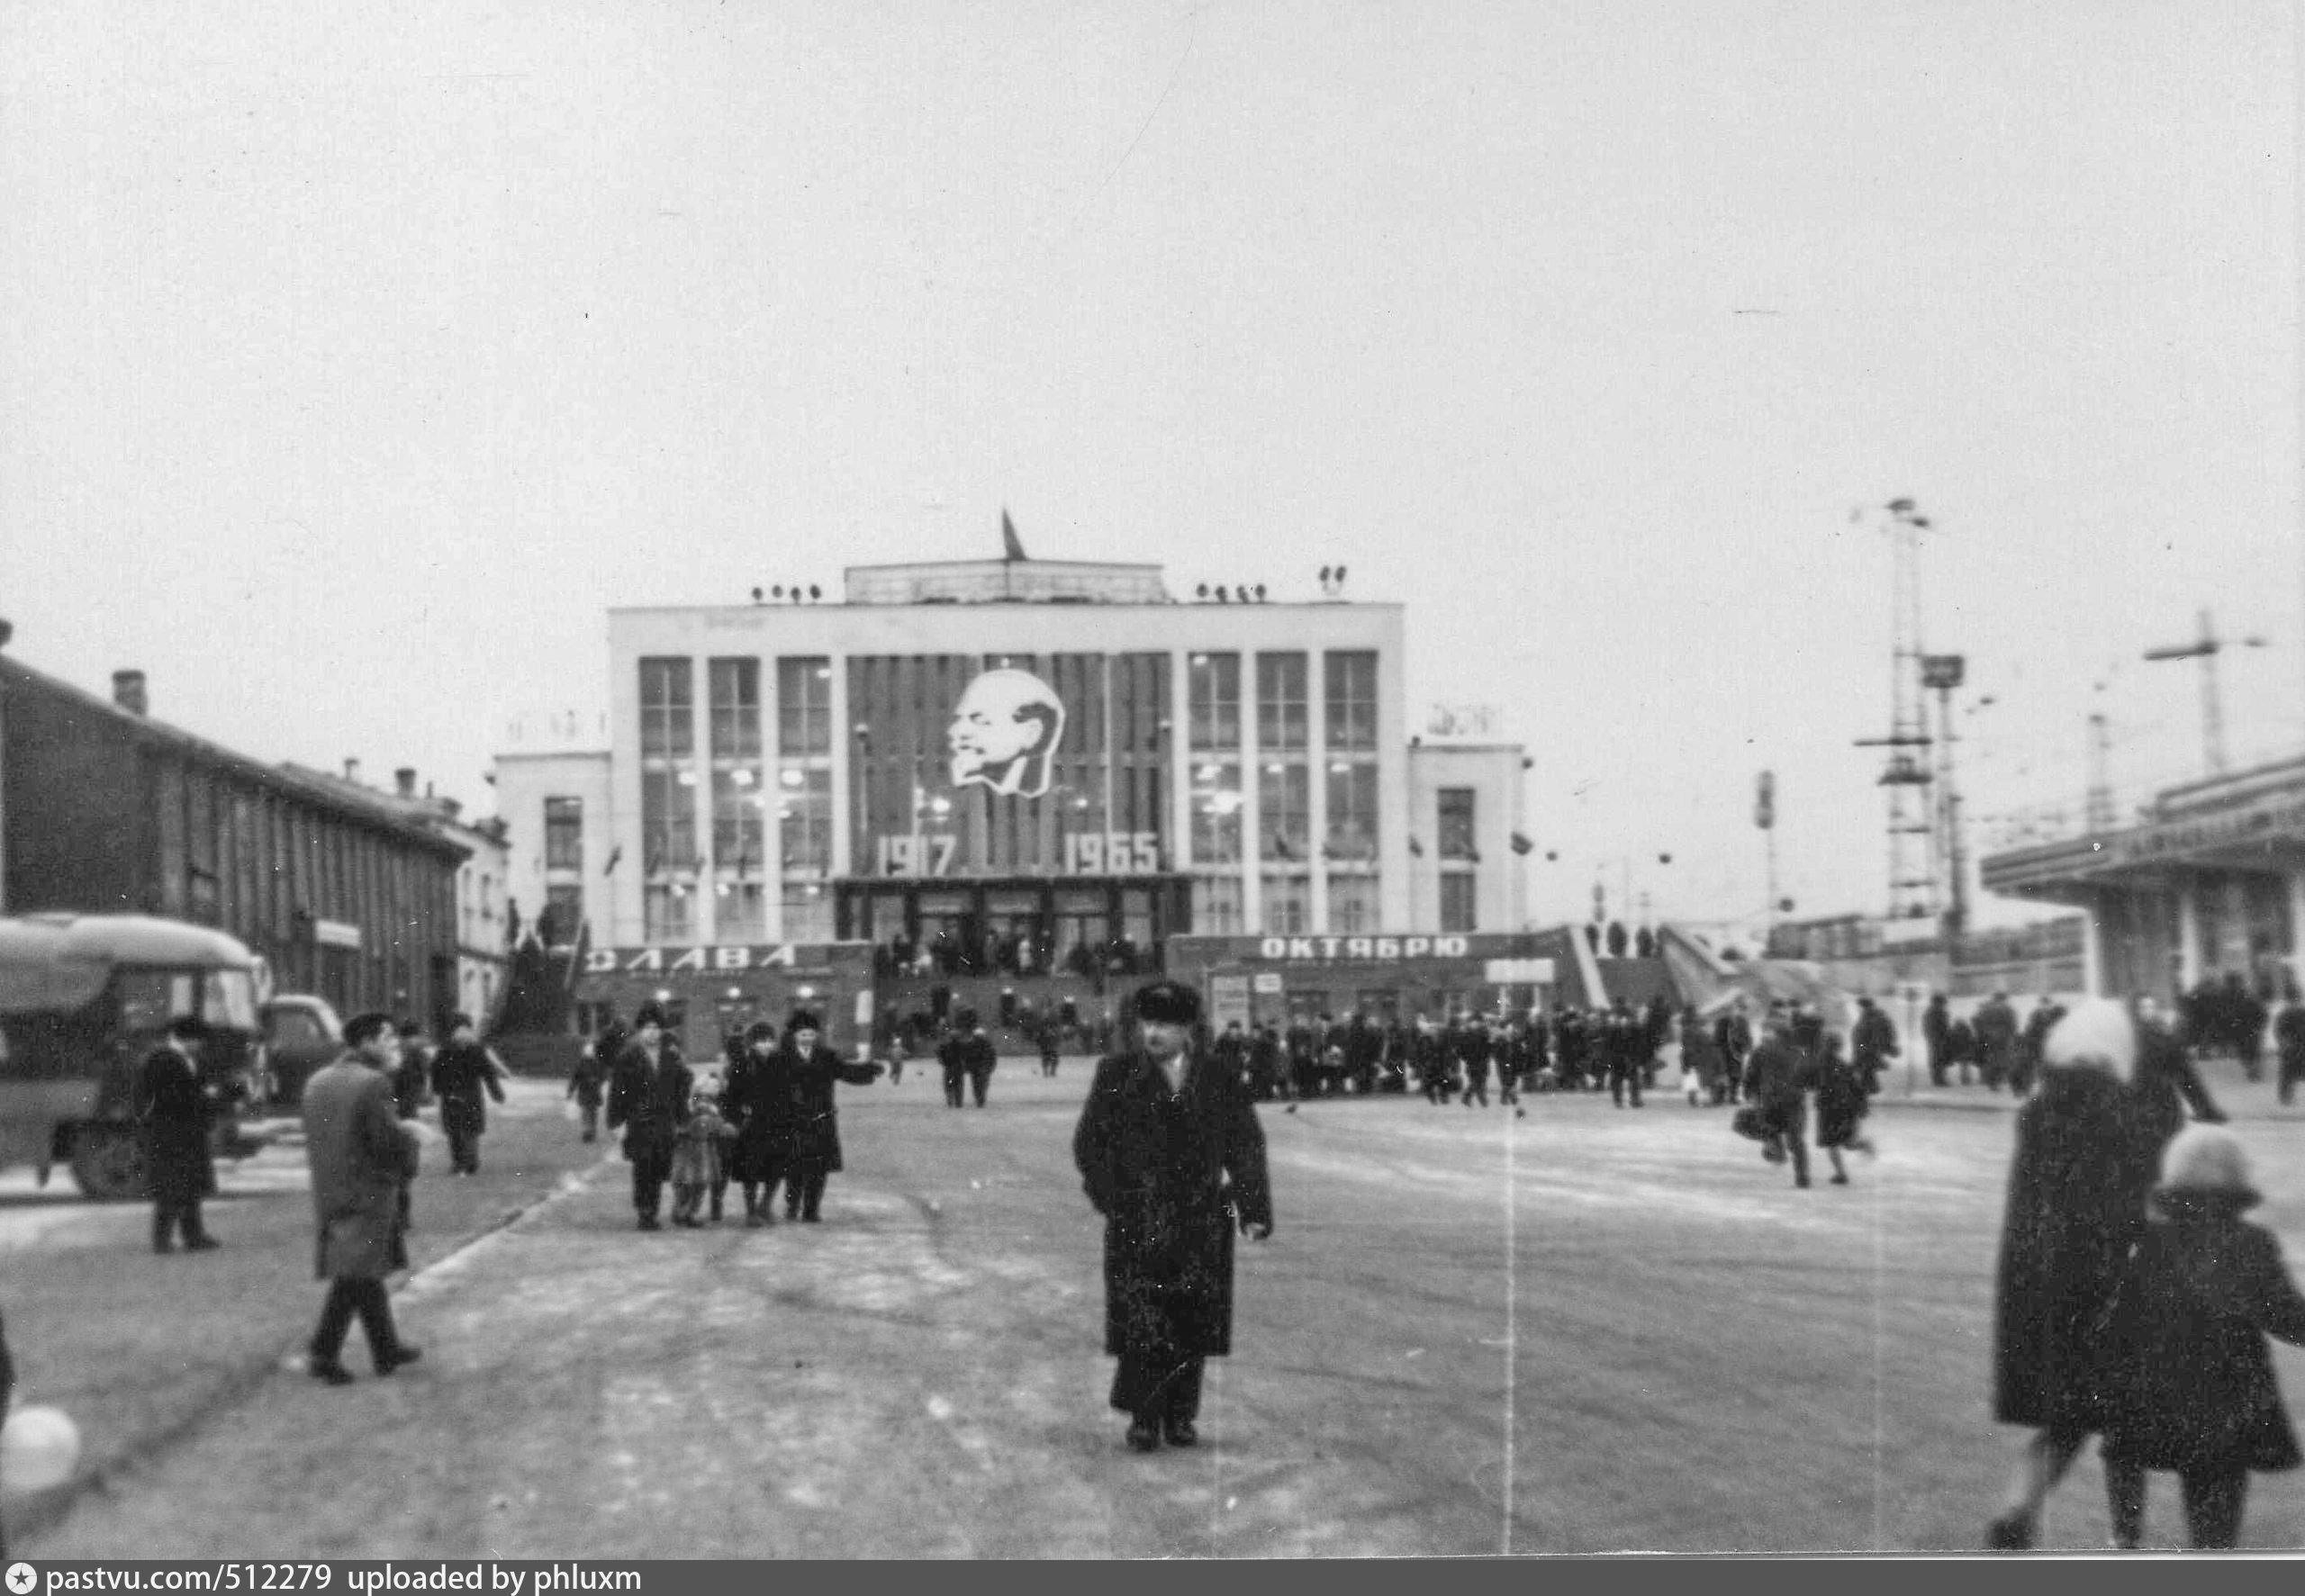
[(1000, 582), (356, 804)]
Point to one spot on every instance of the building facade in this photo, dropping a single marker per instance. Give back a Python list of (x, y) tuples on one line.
[(2208, 881), (1048, 759), (109, 811)]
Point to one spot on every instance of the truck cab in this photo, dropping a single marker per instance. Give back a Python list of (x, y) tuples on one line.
[(83, 999)]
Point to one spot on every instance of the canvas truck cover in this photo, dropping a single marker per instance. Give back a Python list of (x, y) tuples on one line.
[(54, 963)]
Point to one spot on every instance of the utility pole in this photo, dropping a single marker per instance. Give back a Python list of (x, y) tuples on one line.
[(2205, 648), (2101, 784)]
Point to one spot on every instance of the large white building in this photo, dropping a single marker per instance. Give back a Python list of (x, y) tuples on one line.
[(1054, 753)]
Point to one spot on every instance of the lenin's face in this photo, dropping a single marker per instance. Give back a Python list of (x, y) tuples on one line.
[(1003, 731)]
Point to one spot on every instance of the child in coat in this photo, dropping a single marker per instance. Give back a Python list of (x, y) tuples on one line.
[(1841, 1105), (2189, 1375), (697, 1160)]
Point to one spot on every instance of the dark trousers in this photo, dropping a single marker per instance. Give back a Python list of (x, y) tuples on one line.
[(366, 1297), (1476, 1085), (1788, 1133), (463, 1150), (2292, 1070), (1620, 1077), (953, 1079), (651, 1168), (591, 1112), (978, 1079), (171, 1216), (804, 1192)]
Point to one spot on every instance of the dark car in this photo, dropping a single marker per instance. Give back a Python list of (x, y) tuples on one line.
[(301, 1034)]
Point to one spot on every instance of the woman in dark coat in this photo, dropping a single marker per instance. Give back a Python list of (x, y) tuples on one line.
[(814, 1149), (2088, 1148), (464, 1077), (756, 1096), (1170, 1151)]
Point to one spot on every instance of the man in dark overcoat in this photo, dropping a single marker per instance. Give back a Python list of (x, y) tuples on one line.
[(1626, 1039), (1170, 1154), (648, 1096), (461, 1071), (1778, 1079), (953, 1054), (588, 1081), (1936, 1027), (1872, 1043), (175, 1106), (362, 1156), (1733, 1033), (1994, 1025), (814, 1070)]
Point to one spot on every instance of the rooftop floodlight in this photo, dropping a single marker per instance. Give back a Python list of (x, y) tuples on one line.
[(756, 595), (1325, 576), (1221, 597), (1259, 592), (814, 592), (778, 590), (1201, 591)]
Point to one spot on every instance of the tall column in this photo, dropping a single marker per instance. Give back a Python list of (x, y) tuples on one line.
[(2189, 963), (1316, 799), (2093, 951), (2294, 877), (1252, 804)]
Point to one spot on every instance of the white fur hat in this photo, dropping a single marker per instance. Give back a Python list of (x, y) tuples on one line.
[(2206, 1158), (2098, 1034)]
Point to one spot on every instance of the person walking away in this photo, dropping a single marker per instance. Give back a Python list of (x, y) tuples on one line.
[(362, 1158), (1844, 1097), (1995, 1025), (1732, 1035), (2191, 1384), (1936, 1025), (1231, 1050), (1872, 1043), (982, 1059), (1266, 1080), (411, 1068), (1512, 1052), (2089, 1143), (2166, 1075), (2030, 1043), (1777, 1078), (586, 1083), (462, 1072), (648, 1098), (1477, 1050), (1051, 1037), (174, 1107), (1960, 1047), (1170, 1156), (1622, 1041), (2288, 1042), (815, 1070), (696, 1160), (953, 1053)]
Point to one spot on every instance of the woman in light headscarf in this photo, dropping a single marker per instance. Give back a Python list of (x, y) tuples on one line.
[(2088, 1152)]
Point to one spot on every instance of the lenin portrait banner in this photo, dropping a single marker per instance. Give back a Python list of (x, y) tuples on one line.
[(986, 764)]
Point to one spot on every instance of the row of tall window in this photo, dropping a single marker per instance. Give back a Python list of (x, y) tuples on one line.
[(745, 785), (745, 778)]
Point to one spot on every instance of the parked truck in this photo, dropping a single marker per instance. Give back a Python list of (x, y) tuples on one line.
[(83, 999)]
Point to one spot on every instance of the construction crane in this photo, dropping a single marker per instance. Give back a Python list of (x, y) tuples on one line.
[(2205, 648), (1912, 833)]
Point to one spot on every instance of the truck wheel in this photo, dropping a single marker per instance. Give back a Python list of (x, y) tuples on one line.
[(108, 1164)]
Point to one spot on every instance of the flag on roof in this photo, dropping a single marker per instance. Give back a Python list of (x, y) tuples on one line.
[(1011, 549)]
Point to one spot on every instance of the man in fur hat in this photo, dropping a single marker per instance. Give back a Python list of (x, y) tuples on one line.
[(648, 1099), (1170, 1154)]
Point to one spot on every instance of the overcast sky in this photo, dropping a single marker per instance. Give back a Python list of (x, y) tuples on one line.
[(355, 357)]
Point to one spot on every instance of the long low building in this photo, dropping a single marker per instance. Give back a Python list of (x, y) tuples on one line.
[(2209, 880), (105, 809)]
